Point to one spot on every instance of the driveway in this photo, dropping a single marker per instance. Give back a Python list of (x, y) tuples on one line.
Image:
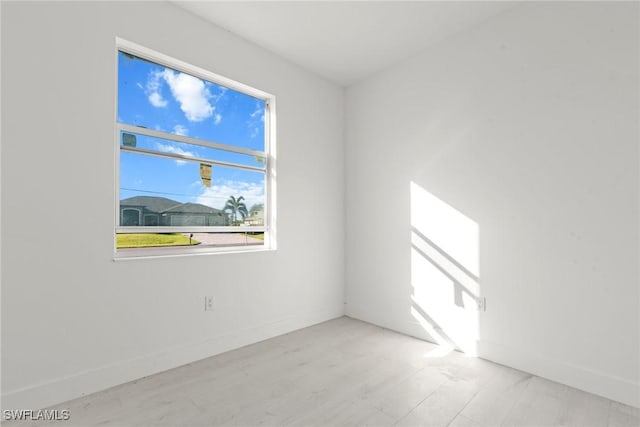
[(226, 239)]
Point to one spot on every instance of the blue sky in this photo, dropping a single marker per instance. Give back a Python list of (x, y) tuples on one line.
[(160, 98)]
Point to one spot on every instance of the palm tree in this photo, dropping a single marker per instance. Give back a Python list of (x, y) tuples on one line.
[(236, 206)]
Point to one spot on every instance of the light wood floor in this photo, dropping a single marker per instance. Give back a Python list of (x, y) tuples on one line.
[(345, 373)]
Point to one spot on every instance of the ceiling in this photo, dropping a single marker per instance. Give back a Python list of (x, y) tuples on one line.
[(345, 41)]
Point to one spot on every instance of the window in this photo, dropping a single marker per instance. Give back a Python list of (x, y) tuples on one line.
[(195, 153)]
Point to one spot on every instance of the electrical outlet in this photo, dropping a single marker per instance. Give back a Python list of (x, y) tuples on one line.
[(208, 303), (482, 304)]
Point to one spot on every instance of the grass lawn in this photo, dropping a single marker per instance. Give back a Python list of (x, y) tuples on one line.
[(259, 236), (146, 240)]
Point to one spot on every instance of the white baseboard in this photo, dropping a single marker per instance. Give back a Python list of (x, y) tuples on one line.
[(599, 383), (63, 389), (596, 382)]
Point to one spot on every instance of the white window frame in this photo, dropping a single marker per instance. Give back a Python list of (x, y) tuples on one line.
[(268, 168)]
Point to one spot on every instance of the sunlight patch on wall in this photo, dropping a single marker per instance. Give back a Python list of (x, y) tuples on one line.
[(448, 229), (444, 271)]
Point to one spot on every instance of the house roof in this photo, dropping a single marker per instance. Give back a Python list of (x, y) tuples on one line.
[(162, 205), (191, 208), (156, 204)]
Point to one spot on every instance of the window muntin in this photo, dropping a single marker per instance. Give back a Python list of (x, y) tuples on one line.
[(189, 151), (193, 159)]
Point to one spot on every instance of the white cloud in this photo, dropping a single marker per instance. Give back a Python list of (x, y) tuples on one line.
[(194, 95), (180, 130), (168, 148), (153, 90), (256, 118), (258, 111), (191, 93), (156, 100), (217, 195)]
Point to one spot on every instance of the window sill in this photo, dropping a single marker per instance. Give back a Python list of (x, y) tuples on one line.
[(154, 253)]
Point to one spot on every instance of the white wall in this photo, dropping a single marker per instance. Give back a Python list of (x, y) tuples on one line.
[(527, 127), (73, 320)]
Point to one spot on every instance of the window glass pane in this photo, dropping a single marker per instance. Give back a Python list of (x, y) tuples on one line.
[(158, 191), (190, 150), (160, 98)]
